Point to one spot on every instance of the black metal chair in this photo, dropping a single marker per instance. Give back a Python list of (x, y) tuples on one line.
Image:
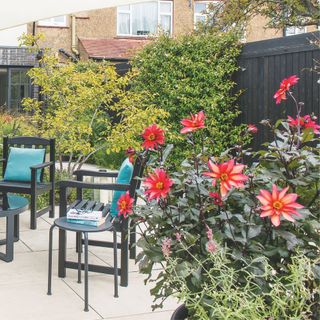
[(112, 224), (33, 188)]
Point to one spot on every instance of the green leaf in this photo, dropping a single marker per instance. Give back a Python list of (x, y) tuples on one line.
[(291, 239), (254, 231)]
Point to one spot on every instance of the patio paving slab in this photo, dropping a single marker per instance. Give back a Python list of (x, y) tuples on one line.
[(146, 316), (23, 283), (134, 299), (28, 301)]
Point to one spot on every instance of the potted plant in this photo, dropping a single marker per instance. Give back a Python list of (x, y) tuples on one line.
[(219, 226)]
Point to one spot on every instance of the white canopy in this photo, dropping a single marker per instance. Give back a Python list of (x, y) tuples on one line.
[(18, 12)]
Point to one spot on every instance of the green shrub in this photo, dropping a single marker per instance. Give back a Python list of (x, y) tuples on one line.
[(291, 296), (189, 74)]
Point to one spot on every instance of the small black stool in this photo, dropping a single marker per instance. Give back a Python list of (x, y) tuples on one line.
[(84, 230)]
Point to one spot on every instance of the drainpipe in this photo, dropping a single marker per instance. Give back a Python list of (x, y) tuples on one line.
[(74, 36)]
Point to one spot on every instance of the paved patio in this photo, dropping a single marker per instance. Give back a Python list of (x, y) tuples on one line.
[(23, 283)]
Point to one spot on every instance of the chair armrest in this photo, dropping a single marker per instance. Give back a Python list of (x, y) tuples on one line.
[(95, 173), (100, 186), (41, 165)]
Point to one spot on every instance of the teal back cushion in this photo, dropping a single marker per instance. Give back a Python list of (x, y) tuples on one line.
[(124, 176), (19, 162)]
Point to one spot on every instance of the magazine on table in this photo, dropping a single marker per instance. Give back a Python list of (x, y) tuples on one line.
[(74, 214), (92, 223)]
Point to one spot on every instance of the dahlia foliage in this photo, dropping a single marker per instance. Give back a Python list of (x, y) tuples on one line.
[(265, 207)]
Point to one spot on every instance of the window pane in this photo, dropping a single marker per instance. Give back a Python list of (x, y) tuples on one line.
[(3, 87), (60, 19), (200, 7), (124, 23), (200, 19), (20, 86), (56, 21), (165, 23), (15, 77), (144, 18), (165, 7), (290, 31)]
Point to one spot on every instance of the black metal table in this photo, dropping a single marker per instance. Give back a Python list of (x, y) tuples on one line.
[(63, 225), (10, 209)]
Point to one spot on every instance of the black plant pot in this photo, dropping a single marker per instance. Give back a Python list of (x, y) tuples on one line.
[(181, 313)]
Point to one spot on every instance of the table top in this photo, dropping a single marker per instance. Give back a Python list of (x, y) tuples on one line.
[(12, 205)]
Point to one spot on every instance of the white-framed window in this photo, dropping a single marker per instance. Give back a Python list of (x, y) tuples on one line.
[(145, 18), (200, 10), (291, 31), (60, 21)]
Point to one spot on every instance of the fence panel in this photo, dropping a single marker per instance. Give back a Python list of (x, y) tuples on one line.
[(263, 65)]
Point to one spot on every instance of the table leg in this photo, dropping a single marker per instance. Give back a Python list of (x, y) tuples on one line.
[(50, 260), (62, 254), (86, 269)]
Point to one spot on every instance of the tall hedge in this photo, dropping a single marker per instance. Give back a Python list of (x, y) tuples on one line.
[(191, 73)]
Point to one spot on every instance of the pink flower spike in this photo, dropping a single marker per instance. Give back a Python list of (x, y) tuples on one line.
[(178, 236), (166, 247), (209, 232), (211, 246)]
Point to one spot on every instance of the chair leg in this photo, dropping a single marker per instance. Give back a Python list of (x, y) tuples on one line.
[(132, 242), (50, 260), (115, 263), (16, 227), (124, 259), (79, 239), (86, 269), (52, 203), (33, 209)]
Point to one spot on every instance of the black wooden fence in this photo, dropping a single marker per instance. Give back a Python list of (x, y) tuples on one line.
[(263, 65)]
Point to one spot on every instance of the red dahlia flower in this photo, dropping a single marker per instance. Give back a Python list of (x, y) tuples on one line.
[(252, 128), (158, 185), (125, 204), (305, 122), (294, 122), (284, 87), (153, 137), (196, 122), (216, 198), (229, 175), (278, 203)]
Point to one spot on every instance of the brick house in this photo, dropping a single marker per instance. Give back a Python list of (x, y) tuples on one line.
[(106, 33), (115, 33)]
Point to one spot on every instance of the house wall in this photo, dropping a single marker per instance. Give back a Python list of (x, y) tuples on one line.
[(256, 30), (182, 17), (102, 23)]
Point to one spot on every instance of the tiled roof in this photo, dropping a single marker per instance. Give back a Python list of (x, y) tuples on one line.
[(112, 48)]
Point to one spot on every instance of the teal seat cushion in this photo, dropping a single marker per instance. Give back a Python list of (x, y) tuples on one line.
[(19, 162), (124, 176)]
